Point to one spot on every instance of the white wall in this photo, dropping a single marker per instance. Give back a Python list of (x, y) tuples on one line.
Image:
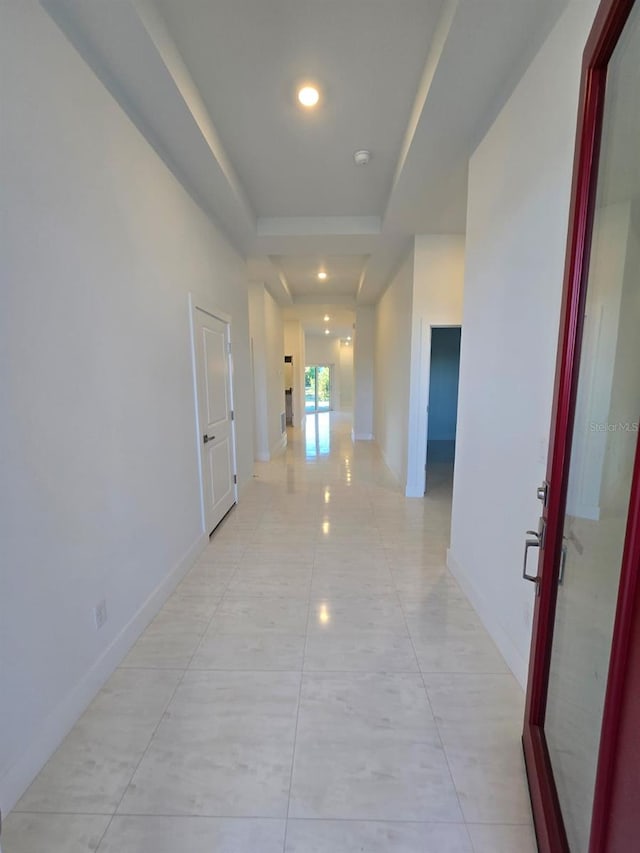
[(346, 376), (274, 339), (259, 365), (363, 372), (426, 291), (99, 247), (392, 369), (267, 337), (320, 349), (294, 346), (519, 186), (438, 284)]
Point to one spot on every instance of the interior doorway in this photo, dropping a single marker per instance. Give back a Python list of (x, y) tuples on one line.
[(317, 388), (215, 416), (288, 389), (442, 407)]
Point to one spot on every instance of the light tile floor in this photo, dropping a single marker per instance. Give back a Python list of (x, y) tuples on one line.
[(317, 684)]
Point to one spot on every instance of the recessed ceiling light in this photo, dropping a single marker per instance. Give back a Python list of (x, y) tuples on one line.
[(349, 338), (326, 331), (322, 275), (326, 318), (308, 96)]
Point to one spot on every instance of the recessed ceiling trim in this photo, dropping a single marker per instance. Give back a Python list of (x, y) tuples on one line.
[(170, 55), (285, 285), (440, 36), (363, 275), (319, 298), (311, 226)]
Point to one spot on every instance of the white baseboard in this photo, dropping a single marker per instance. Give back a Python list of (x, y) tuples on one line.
[(414, 490), (280, 446), (395, 475), (62, 719), (507, 648)]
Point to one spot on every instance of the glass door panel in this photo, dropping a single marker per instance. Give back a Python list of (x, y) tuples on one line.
[(603, 448), (317, 388), (310, 389), (323, 387)]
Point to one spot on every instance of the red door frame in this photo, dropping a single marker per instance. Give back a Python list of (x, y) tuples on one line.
[(612, 770)]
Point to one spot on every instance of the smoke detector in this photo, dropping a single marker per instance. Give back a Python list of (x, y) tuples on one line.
[(362, 157)]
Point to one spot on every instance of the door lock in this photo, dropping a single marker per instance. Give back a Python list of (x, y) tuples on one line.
[(542, 493)]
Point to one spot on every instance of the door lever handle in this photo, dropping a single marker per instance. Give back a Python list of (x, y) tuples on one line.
[(533, 540), (207, 438)]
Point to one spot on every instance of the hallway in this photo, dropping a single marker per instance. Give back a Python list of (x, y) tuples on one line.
[(318, 683)]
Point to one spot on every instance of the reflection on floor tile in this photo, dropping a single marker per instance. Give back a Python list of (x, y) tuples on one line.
[(318, 682)]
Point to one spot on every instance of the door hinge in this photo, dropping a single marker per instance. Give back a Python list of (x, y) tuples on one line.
[(233, 415), (229, 347), (235, 478)]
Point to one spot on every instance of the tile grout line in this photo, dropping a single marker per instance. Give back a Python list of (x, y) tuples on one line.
[(272, 502), (235, 817), (428, 698), (419, 673), (162, 716), (295, 733)]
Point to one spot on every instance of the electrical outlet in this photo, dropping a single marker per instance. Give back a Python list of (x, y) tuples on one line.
[(100, 614)]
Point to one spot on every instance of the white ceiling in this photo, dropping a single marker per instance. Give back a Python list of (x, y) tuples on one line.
[(212, 84), (340, 324), (301, 272), (247, 58)]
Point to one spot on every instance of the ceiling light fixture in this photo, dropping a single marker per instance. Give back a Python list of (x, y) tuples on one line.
[(308, 96), (326, 331), (349, 337), (326, 318), (362, 157), (322, 275)]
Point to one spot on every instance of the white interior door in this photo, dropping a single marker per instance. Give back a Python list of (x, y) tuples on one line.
[(215, 413)]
